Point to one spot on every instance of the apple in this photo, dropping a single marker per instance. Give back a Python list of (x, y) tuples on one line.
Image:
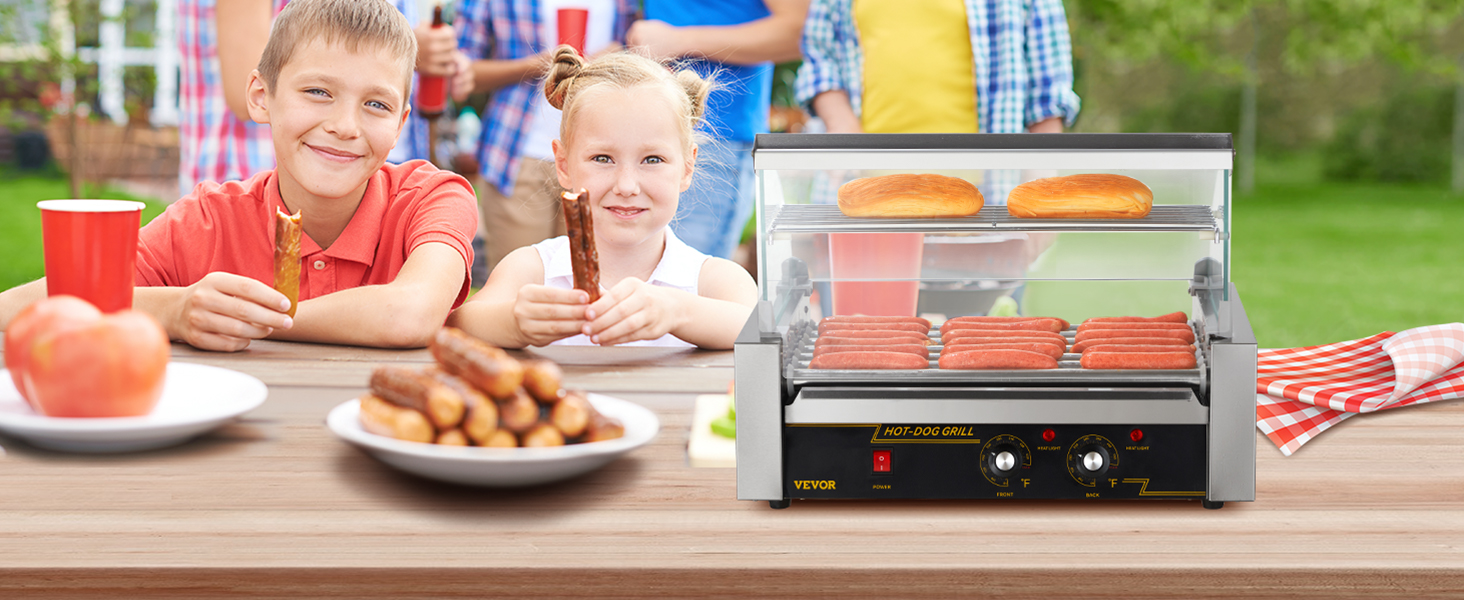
[(44, 315), (110, 366)]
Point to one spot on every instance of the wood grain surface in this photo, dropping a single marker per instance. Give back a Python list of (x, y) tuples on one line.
[(274, 505)]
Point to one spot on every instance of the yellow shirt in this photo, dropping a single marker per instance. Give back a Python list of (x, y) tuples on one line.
[(919, 74)]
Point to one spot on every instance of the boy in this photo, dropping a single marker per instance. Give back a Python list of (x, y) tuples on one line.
[(386, 248)]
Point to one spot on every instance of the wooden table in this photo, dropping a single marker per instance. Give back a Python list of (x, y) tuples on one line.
[(274, 505)]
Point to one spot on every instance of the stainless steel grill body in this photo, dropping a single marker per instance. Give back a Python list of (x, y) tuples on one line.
[(780, 399)]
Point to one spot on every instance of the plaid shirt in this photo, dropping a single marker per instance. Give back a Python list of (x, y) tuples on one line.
[(1024, 67), (214, 145), (508, 30)]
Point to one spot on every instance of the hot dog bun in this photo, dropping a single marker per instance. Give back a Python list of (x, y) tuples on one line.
[(908, 195), (1091, 196)]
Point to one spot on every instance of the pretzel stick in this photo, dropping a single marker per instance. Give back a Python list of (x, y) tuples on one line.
[(287, 257), (582, 254)]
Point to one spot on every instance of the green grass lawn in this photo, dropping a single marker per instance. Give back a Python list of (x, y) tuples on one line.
[(21, 259)]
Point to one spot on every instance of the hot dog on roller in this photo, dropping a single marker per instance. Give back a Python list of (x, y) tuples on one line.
[(869, 360), (1131, 341), (1182, 334), (916, 349), (996, 359), (1138, 360), (1043, 348)]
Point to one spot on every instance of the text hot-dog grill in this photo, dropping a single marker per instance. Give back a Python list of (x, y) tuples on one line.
[(1003, 434)]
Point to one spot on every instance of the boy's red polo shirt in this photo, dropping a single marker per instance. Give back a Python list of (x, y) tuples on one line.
[(230, 227)]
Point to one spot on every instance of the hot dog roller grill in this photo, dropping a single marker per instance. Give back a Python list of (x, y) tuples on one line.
[(1068, 433)]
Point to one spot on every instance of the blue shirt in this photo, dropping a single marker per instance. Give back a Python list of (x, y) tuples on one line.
[(738, 108), (1023, 66)]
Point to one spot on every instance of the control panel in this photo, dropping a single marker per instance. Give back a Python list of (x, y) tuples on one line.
[(994, 461)]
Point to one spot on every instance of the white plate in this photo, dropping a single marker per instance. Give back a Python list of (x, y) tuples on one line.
[(196, 398), (500, 467)]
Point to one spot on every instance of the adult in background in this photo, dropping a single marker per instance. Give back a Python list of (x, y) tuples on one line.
[(737, 41), (217, 141), (509, 43), (941, 66)]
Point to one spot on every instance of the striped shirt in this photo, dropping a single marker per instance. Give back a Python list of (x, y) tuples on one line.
[(1023, 66), (509, 30), (214, 144)]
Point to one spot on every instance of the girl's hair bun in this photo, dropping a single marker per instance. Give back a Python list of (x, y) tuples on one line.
[(567, 64)]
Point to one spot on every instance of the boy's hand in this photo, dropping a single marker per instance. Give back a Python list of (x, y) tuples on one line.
[(436, 47), (224, 312), (633, 310), (546, 314)]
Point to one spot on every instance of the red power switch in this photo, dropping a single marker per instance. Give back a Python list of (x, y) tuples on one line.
[(881, 461)]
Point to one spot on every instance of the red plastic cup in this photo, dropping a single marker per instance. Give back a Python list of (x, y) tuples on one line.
[(889, 256), (91, 250), (572, 23)]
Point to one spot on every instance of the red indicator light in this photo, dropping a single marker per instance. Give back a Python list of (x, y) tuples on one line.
[(1136, 435), (1048, 435), (881, 461)]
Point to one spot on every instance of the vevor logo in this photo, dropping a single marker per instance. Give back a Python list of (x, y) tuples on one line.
[(813, 484)]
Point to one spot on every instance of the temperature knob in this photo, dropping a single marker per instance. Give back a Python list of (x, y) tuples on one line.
[(1092, 461), (1090, 457), (1002, 457)]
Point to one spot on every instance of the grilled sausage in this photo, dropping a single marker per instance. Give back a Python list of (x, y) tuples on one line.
[(875, 319), (916, 349), (1079, 347), (489, 369), (384, 418), (1174, 317), (869, 360), (452, 437), (287, 257), (481, 418), (502, 438), (997, 359), (1091, 334), (571, 415), (827, 327), (579, 225), (543, 435), (1043, 348), (603, 428), (542, 379), (1035, 324), (518, 413), (417, 390), (1138, 360)]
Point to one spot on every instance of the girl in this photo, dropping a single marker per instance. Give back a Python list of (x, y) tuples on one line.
[(628, 136)]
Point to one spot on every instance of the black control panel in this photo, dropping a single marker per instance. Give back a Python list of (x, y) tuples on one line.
[(929, 461)]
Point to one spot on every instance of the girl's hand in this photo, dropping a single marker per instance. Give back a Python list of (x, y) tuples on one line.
[(633, 310), (544, 314)]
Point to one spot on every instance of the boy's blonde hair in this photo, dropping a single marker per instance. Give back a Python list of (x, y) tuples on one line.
[(570, 76), (354, 24)]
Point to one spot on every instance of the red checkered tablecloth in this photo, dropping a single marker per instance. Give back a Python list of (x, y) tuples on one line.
[(1303, 391)]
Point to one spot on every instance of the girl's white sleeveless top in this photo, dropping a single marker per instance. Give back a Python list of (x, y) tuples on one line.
[(680, 268)]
